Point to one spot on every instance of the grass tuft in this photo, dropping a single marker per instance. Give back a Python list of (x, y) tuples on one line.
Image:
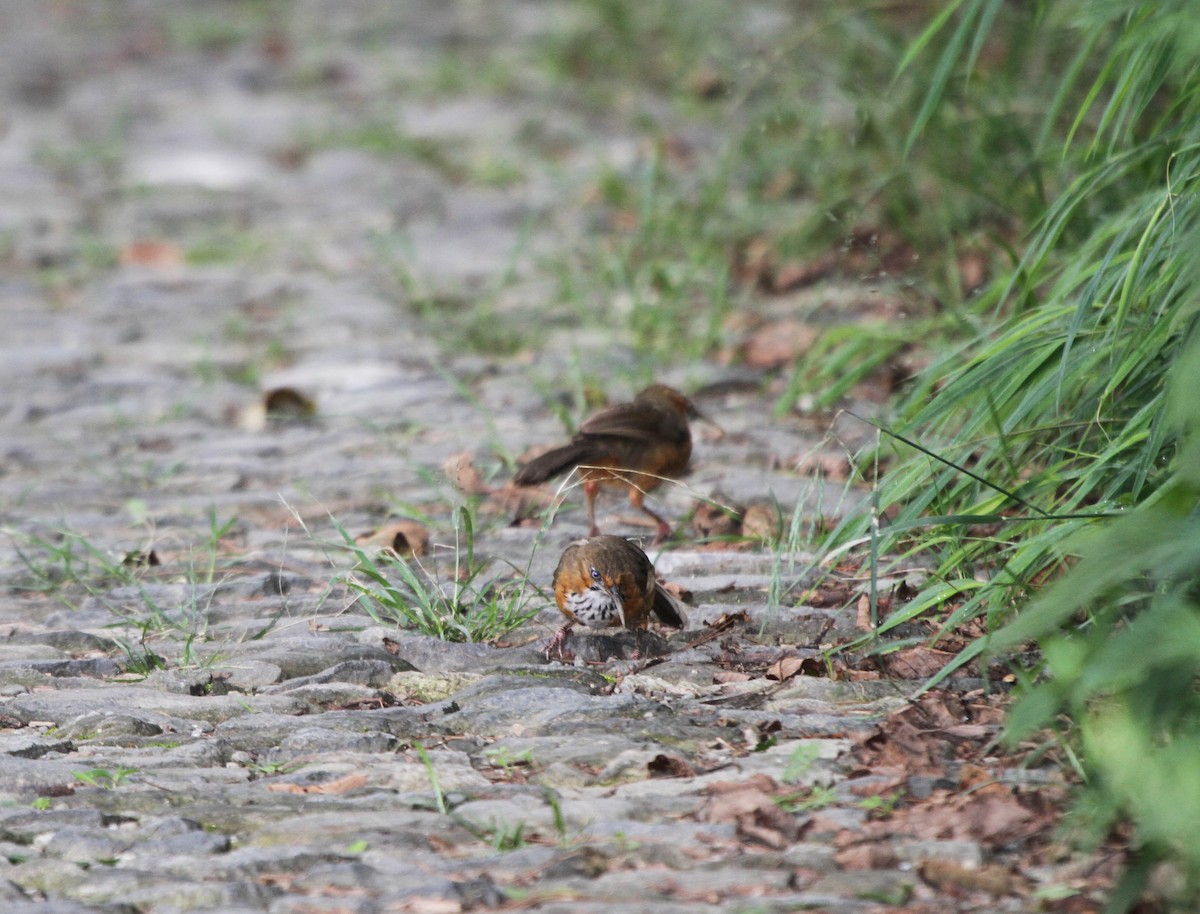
[(470, 606)]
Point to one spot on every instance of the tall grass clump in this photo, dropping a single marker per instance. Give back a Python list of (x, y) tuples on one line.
[(1077, 406), (773, 154)]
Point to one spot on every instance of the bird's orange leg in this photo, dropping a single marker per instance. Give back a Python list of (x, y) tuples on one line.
[(590, 488), (555, 645), (637, 498)]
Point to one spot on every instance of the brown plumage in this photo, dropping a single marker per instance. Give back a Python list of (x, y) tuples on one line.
[(607, 580), (631, 445)]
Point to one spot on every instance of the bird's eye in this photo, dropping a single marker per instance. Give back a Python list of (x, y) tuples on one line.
[(595, 574)]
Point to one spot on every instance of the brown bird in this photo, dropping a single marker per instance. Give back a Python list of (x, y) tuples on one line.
[(633, 445), (607, 580)]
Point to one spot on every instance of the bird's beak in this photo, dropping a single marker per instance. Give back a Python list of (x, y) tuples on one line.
[(694, 413), (615, 592)]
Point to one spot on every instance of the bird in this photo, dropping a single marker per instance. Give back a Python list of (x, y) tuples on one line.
[(607, 581), (635, 445)]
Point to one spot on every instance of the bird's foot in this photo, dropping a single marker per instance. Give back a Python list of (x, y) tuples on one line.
[(662, 531), (554, 647)]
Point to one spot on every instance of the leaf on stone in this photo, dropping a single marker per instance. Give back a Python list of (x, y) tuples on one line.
[(402, 538), (904, 742), (678, 591), (915, 662), (750, 806), (994, 820), (758, 263), (431, 905), (149, 252), (287, 404), (716, 520), (829, 466), (670, 766), (340, 785), (142, 558), (460, 470), (854, 853), (786, 667), (762, 521), (955, 879), (724, 676), (862, 617), (778, 344), (728, 620)]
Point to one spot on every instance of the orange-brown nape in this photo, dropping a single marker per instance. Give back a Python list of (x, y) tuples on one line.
[(633, 445)]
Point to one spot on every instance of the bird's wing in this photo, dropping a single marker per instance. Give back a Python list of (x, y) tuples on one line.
[(628, 420)]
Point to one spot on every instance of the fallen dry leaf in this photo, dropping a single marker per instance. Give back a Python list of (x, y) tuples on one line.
[(832, 467), (151, 253), (723, 676), (862, 617), (762, 521), (287, 404), (430, 905), (947, 876), (460, 470), (141, 559), (793, 274), (990, 820), (974, 776), (678, 591), (778, 344), (670, 766), (902, 743), (402, 538), (857, 854), (711, 520), (915, 662), (762, 782), (341, 785), (787, 667), (750, 806), (518, 501)]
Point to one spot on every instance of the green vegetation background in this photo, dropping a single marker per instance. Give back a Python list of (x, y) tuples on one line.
[(1051, 435), (1021, 178)]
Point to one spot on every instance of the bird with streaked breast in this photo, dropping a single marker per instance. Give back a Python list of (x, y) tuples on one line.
[(607, 581), (633, 445)]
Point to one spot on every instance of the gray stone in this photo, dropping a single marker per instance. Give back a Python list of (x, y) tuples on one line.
[(426, 654), (107, 725), (311, 740), (69, 640), (967, 854), (162, 709), (84, 845), (887, 887), (98, 667), (200, 208), (370, 673), (19, 775), (535, 708), (23, 745)]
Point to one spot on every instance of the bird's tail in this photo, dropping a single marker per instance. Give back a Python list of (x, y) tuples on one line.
[(669, 610), (550, 464)]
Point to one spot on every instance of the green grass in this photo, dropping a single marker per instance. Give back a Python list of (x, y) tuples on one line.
[(1060, 436), (805, 162), (217, 31), (227, 245), (105, 778), (469, 605), (151, 631), (434, 783)]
